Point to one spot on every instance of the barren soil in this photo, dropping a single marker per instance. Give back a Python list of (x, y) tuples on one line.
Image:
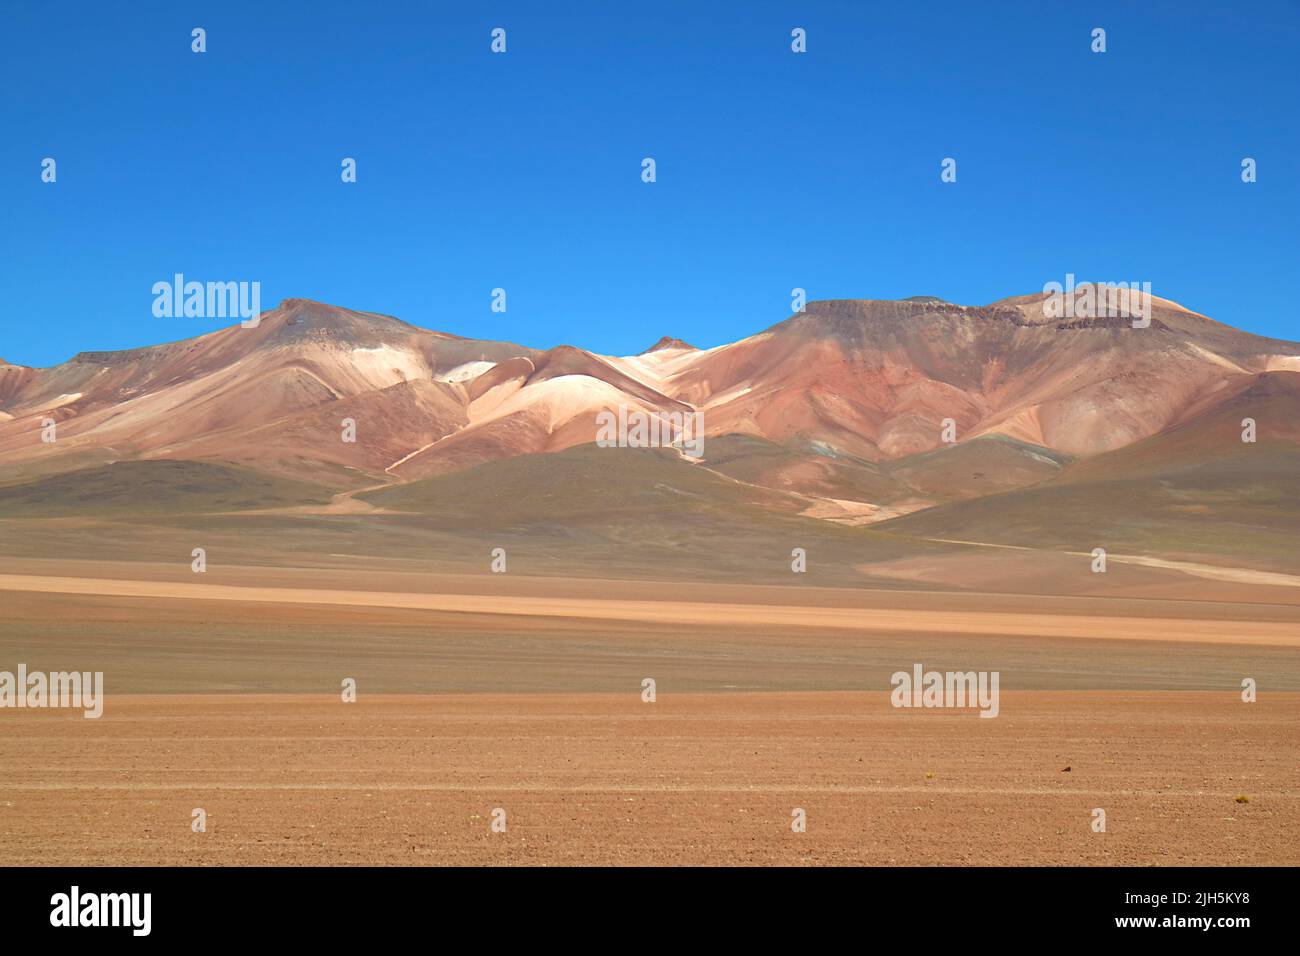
[(689, 779)]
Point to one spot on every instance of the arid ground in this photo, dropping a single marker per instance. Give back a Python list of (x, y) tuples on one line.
[(478, 692), (690, 779)]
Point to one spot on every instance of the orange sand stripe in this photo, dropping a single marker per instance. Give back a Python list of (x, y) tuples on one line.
[(1270, 633)]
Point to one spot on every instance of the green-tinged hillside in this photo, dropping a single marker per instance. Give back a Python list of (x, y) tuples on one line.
[(154, 487)]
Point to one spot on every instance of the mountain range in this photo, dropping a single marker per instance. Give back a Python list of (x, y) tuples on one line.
[(837, 413)]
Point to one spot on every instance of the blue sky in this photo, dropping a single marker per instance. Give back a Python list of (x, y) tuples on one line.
[(522, 170)]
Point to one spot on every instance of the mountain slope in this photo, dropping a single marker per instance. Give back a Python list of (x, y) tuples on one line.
[(1195, 492), (153, 488), (845, 404)]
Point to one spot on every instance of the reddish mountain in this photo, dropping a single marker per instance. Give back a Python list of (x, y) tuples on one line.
[(845, 403)]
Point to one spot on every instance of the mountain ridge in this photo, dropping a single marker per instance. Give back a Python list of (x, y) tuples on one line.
[(839, 386)]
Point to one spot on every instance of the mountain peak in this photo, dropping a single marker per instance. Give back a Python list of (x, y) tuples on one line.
[(309, 310), (668, 342), (306, 318)]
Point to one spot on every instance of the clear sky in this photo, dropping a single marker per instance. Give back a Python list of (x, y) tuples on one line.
[(523, 170)]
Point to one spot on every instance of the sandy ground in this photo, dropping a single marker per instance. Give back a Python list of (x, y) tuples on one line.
[(277, 630), (359, 551), (482, 691), (665, 610), (1211, 572), (689, 779)]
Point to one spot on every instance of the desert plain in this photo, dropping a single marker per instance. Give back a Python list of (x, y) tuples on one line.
[(479, 693)]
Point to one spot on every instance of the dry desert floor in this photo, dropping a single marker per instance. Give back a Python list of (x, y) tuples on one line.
[(488, 693), (689, 779)]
